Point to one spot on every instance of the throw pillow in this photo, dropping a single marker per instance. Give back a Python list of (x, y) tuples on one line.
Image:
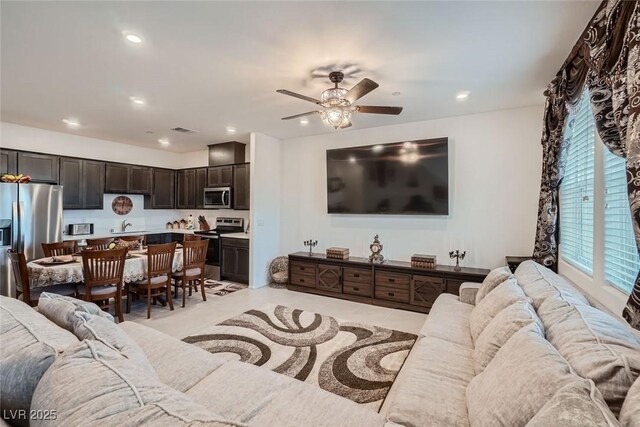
[(502, 296), (493, 279), (630, 413), (60, 309)]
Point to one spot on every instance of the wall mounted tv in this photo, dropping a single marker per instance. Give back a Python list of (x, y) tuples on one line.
[(401, 178)]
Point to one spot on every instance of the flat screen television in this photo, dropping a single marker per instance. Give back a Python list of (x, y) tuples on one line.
[(401, 178)]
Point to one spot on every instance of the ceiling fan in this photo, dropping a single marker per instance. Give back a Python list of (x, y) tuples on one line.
[(337, 103)]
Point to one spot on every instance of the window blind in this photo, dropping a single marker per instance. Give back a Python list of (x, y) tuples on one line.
[(621, 261), (577, 188)]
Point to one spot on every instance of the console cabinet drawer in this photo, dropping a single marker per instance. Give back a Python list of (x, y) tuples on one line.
[(303, 280), (357, 275), (303, 268), (357, 288), (425, 289), (387, 278), (392, 293)]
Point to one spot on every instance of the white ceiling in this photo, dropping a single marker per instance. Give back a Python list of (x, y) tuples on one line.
[(209, 65)]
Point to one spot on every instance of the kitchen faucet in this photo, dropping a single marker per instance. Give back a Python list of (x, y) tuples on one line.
[(124, 225)]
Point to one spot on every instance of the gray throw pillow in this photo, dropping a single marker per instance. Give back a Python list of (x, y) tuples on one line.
[(493, 279), (630, 413), (60, 309)]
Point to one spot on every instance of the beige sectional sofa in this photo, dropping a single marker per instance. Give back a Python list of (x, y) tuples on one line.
[(518, 350)]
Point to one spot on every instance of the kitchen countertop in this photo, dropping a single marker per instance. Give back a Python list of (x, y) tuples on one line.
[(128, 233), (236, 235)]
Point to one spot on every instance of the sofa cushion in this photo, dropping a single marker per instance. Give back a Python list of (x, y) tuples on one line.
[(539, 283), (449, 320), (525, 373), (502, 296), (178, 364), (432, 393), (93, 384), (506, 323), (493, 279), (60, 309), (630, 413), (256, 396), (578, 404), (597, 345), (30, 344)]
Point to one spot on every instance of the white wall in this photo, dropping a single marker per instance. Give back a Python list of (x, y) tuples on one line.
[(494, 164), (265, 206)]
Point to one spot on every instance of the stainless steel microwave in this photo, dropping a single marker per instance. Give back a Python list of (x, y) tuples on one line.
[(217, 198)]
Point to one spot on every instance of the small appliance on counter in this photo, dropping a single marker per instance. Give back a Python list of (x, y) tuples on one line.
[(79, 229)]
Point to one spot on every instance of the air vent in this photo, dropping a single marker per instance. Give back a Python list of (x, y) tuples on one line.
[(184, 130)]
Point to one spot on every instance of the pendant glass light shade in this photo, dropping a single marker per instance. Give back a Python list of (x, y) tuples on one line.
[(336, 116)]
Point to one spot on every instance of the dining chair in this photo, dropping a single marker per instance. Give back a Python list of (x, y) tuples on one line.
[(23, 286), (194, 254), (191, 237), (99, 244), (158, 280), (103, 277), (60, 248), (141, 239)]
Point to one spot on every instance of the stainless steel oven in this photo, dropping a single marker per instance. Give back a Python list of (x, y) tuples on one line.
[(217, 198)]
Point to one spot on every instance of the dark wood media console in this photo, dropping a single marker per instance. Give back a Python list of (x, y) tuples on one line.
[(394, 284)]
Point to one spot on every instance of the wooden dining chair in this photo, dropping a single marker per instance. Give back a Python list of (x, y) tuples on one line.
[(158, 280), (60, 248), (103, 277), (99, 244), (23, 286), (141, 239), (191, 237), (194, 254)]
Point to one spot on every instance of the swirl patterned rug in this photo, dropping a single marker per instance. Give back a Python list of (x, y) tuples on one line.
[(353, 360)]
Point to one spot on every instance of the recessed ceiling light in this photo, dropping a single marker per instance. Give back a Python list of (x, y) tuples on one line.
[(462, 95), (164, 141), (378, 148), (304, 121), (132, 38), (71, 122), (231, 130), (137, 101)]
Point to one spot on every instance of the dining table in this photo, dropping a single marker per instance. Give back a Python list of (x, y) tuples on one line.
[(42, 274)]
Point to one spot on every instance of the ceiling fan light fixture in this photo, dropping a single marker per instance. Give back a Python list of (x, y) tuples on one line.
[(334, 96), (337, 117)]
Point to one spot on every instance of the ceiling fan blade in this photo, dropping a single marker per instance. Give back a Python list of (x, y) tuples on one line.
[(300, 115), (379, 110), (297, 95), (361, 89)]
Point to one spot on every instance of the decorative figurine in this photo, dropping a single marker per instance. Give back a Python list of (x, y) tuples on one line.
[(459, 256), (376, 249), (312, 244)]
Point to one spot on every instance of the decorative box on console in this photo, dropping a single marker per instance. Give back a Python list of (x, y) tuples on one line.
[(425, 262), (338, 253)]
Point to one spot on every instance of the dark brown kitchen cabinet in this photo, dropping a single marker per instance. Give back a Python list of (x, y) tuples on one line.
[(41, 167), (201, 184), (8, 162), (186, 189), (163, 191), (82, 181), (220, 176), (241, 186), (234, 259), (140, 180), (117, 178)]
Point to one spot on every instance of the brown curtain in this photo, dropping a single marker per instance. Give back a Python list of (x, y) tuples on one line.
[(606, 60)]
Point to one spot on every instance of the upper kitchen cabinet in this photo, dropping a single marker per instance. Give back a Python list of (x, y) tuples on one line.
[(241, 186), (226, 153), (117, 178), (41, 167), (201, 184), (83, 181), (220, 176), (8, 162), (140, 180), (186, 184), (163, 192)]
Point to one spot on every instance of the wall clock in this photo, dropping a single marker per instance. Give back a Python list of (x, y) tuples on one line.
[(122, 205)]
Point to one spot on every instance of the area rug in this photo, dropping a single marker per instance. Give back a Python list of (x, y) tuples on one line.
[(356, 361), (217, 288)]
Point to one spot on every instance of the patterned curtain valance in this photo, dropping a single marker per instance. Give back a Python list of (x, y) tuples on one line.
[(606, 60)]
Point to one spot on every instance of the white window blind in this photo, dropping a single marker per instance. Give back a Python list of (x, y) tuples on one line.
[(621, 261), (577, 188)]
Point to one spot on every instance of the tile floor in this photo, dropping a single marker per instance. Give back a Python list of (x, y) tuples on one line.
[(199, 315)]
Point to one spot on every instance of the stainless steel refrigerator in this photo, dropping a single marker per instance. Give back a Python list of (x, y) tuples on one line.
[(30, 214)]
